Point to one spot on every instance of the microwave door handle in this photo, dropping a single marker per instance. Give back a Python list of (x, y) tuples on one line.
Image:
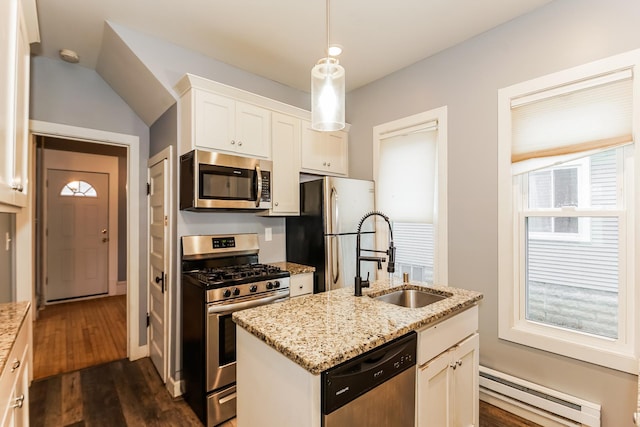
[(258, 186)]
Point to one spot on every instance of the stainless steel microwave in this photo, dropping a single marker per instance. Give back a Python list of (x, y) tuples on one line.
[(210, 180)]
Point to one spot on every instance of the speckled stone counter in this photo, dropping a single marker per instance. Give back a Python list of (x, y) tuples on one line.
[(12, 315), (294, 268), (322, 330)]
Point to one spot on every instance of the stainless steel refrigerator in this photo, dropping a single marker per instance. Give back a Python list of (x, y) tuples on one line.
[(324, 235)]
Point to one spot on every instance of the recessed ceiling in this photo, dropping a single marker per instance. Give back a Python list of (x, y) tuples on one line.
[(282, 39)]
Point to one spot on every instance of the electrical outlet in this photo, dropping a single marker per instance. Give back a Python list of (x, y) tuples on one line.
[(267, 234)]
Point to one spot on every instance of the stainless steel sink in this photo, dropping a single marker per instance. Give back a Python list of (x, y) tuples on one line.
[(411, 298)]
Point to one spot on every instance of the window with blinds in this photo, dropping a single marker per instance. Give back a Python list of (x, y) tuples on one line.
[(566, 201), (409, 165)]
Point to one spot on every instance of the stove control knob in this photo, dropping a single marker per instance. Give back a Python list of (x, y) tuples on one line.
[(226, 293), (253, 288), (269, 285), (276, 284), (236, 292)]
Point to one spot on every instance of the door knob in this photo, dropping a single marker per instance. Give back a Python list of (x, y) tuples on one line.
[(105, 239), (160, 279), (104, 231)]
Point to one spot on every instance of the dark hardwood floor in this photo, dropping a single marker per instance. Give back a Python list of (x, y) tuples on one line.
[(120, 393)]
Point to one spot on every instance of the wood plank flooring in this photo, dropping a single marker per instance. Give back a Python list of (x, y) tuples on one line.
[(75, 335), (120, 393)]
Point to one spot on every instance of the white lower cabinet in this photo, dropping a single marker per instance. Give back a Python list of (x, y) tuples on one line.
[(448, 361), (14, 382), (300, 284), (448, 387)]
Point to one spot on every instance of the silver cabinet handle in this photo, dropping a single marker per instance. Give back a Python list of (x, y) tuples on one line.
[(239, 143), (15, 365), (19, 401), (233, 142)]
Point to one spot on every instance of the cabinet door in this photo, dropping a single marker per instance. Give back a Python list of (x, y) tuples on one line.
[(337, 153), (21, 166), (312, 150), (253, 130), (214, 121), (8, 32), (464, 388), (285, 187), (433, 397)]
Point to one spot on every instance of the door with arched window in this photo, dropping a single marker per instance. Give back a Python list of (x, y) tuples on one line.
[(77, 234)]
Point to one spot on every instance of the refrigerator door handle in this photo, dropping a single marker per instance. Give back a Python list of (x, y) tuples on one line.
[(335, 259), (335, 214)]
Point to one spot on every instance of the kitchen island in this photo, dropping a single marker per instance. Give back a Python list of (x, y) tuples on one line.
[(282, 348)]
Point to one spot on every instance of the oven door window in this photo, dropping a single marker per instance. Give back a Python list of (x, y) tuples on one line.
[(226, 183), (227, 337)]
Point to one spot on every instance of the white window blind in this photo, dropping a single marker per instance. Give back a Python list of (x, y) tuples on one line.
[(571, 121), (407, 175)]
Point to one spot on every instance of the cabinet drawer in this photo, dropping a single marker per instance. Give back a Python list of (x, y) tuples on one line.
[(17, 358), (301, 284), (435, 339)]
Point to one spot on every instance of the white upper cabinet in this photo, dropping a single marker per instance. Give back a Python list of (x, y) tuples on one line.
[(223, 124), (285, 176), (18, 27), (324, 153)]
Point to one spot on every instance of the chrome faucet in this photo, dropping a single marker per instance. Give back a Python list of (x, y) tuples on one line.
[(391, 252)]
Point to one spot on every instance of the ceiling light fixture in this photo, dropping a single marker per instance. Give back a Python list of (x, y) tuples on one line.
[(327, 91)]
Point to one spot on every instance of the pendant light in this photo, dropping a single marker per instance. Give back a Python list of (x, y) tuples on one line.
[(327, 91)]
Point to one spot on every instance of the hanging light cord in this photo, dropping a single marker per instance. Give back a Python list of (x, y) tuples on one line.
[(328, 12)]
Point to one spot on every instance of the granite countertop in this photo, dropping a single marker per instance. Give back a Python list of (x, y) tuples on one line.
[(322, 330), (12, 315), (294, 268)]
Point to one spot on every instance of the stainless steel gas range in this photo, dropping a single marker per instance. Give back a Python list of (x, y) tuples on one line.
[(220, 275)]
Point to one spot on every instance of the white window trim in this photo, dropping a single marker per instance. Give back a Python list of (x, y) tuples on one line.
[(620, 354), (413, 123)]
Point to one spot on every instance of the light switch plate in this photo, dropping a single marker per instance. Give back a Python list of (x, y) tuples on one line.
[(267, 234)]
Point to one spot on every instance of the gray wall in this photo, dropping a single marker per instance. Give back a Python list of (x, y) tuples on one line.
[(466, 78), (77, 96)]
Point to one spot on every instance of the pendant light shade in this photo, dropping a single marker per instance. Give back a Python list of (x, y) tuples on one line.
[(327, 95), (327, 91)]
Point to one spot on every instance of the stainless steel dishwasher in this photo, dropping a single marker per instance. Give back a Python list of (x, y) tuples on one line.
[(376, 389)]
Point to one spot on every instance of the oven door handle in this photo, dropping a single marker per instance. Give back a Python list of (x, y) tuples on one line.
[(224, 308)]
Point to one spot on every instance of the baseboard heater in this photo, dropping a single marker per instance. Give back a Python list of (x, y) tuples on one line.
[(536, 403)]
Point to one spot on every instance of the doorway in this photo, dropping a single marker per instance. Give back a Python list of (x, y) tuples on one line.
[(80, 212)]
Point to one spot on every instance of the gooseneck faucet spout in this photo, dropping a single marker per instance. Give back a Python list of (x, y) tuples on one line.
[(391, 252)]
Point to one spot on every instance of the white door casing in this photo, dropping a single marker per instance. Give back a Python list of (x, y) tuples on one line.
[(159, 261), (24, 247), (77, 236)]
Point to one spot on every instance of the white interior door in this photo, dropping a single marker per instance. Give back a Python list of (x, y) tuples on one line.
[(77, 234), (158, 266)]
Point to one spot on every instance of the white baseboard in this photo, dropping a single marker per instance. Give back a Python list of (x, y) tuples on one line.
[(121, 287), (138, 352), (175, 387)]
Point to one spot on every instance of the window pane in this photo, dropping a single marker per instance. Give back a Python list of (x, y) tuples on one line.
[(414, 250), (574, 284), (565, 225), (565, 187)]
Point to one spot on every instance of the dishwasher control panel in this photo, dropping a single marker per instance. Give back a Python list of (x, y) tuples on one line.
[(351, 379)]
